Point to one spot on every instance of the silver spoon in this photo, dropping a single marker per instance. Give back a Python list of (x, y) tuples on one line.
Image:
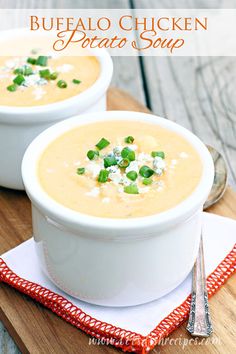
[(199, 323)]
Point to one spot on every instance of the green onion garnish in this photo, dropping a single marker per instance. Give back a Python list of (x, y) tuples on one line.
[(45, 74), (127, 153), (158, 153), (53, 76), (62, 84), (41, 61), (26, 70), (103, 176), (132, 175), (131, 189), (80, 170), (75, 81), (31, 61), (91, 154), (12, 88), (124, 163), (129, 139), (110, 161), (18, 71), (146, 171), (102, 144), (19, 79), (147, 181)]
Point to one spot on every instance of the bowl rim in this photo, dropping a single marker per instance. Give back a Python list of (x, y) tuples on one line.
[(10, 114), (74, 219)]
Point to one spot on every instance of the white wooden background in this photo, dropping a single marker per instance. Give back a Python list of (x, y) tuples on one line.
[(197, 92)]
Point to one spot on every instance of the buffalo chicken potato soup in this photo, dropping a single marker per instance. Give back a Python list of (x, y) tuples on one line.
[(39, 80), (119, 169)]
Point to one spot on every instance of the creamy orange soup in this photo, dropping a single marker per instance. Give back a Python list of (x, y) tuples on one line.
[(38, 80), (119, 169)]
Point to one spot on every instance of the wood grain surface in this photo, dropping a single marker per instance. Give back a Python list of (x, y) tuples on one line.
[(37, 330)]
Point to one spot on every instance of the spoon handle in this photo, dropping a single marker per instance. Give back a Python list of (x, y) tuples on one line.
[(199, 323)]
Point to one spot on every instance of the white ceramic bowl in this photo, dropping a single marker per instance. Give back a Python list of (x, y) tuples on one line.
[(20, 125), (115, 262)]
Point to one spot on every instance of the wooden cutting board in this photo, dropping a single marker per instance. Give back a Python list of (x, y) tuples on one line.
[(37, 330)]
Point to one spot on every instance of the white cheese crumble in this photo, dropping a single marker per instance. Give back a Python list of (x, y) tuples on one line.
[(143, 157), (161, 186), (113, 169), (133, 147), (116, 177), (159, 165), (117, 150), (143, 189), (183, 155), (106, 200), (133, 166), (94, 168), (33, 80), (65, 68), (38, 93), (125, 181), (94, 192)]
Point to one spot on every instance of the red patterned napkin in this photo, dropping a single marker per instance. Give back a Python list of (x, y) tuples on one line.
[(137, 328)]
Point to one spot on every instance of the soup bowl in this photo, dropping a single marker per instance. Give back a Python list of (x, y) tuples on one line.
[(20, 125), (115, 261)]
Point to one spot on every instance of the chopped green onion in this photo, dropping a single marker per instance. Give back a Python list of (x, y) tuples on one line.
[(102, 144), (53, 76), (31, 61), (42, 61), (103, 176), (45, 74), (132, 175), (75, 81), (147, 181), (129, 139), (26, 70), (158, 153), (19, 79), (110, 161), (127, 153), (146, 171), (12, 88), (124, 163), (18, 71), (131, 189), (62, 84), (80, 170), (91, 154)]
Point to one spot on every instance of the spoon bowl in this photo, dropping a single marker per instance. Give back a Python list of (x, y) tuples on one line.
[(220, 178)]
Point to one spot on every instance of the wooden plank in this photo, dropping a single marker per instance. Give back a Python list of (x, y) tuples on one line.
[(37, 330), (197, 92)]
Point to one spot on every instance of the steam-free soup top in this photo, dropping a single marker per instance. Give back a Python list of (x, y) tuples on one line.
[(39, 79), (119, 169)]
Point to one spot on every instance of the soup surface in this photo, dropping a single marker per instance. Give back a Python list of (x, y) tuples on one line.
[(39, 80), (119, 169)]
